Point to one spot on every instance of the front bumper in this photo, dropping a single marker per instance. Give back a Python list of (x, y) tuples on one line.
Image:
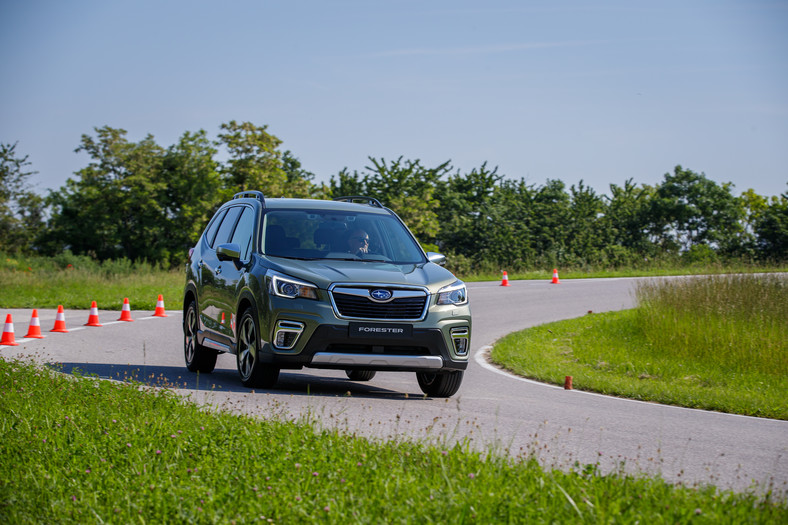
[(329, 346)]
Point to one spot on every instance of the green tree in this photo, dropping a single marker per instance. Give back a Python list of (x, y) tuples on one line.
[(626, 222), (408, 188), (753, 207), (771, 229), (690, 209), (586, 238), (346, 184), (21, 210), (255, 162), (113, 208), (193, 192), (466, 213), (299, 180)]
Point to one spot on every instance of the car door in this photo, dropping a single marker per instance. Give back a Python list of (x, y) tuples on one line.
[(219, 278)]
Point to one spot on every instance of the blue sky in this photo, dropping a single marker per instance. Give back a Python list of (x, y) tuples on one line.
[(571, 90)]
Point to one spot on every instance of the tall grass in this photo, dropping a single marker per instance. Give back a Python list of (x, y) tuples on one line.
[(74, 281), (715, 342), (735, 322)]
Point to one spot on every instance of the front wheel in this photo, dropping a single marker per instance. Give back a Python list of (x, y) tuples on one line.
[(254, 373), (198, 358), (443, 384)]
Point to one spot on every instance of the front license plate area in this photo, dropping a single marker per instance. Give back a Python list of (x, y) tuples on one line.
[(380, 330)]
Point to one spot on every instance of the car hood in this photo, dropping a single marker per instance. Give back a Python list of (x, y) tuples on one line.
[(324, 273)]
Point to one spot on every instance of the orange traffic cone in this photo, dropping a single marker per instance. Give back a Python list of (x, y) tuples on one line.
[(8, 332), (125, 312), (160, 308), (34, 330), (505, 280), (93, 319), (555, 277), (60, 321)]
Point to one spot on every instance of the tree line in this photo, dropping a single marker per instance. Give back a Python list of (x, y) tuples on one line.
[(142, 201)]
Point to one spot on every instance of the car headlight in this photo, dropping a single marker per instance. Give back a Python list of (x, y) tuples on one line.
[(283, 286), (455, 294)]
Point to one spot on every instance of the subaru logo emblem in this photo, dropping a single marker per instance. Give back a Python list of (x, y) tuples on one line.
[(380, 295)]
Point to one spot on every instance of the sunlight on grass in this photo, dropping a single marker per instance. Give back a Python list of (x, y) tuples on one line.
[(717, 343), (113, 452), (75, 281)]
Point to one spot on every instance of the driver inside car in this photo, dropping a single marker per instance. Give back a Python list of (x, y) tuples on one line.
[(358, 242)]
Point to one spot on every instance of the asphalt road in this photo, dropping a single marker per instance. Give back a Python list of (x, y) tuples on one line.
[(492, 409)]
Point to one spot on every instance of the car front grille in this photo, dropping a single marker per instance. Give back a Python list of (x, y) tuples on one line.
[(355, 303)]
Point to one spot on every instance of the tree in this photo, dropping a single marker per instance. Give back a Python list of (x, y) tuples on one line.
[(626, 222), (689, 209), (465, 214), (114, 208), (407, 187), (193, 192), (21, 210), (299, 180), (255, 162), (771, 229), (585, 237)]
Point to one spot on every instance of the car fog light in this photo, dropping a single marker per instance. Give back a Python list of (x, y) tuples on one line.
[(459, 337), (286, 334)]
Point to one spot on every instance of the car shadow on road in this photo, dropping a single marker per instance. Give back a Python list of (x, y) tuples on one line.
[(226, 380)]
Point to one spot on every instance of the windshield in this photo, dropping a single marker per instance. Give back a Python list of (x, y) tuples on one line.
[(305, 234)]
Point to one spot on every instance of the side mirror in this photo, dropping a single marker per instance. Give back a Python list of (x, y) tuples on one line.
[(228, 252), (437, 258)]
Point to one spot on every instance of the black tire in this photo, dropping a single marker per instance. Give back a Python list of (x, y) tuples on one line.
[(443, 384), (360, 375), (254, 373), (198, 358)]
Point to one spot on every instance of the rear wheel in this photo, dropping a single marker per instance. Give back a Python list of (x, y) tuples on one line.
[(198, 358), (360, 375), (254, 373), (439, 384)]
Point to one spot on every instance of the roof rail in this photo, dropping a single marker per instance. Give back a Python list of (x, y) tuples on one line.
[(367, 200), (250, 194)]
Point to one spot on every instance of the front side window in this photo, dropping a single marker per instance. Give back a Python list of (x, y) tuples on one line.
[(226, 228), (305, 234), (244, 232)]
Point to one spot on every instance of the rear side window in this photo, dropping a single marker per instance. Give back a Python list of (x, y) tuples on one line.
[(244, 232), (226, 228)]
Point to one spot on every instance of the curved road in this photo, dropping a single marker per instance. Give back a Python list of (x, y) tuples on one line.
[(492, 408)]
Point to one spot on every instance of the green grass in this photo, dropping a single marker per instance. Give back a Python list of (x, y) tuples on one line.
[(109, 452), (75, 281), (718, 343)]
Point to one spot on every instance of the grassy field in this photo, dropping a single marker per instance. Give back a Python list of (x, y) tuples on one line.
[(109, 452), (120, 453), (717, 342), (75, 281)]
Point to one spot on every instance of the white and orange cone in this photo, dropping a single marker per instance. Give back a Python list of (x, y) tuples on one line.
[(93, 319), (8, 332), (125, 312), (34, 330), (160, 308), (60, 321), (555, 277), (505, 280)]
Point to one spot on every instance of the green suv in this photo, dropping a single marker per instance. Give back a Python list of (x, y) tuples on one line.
[(342, 284)]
